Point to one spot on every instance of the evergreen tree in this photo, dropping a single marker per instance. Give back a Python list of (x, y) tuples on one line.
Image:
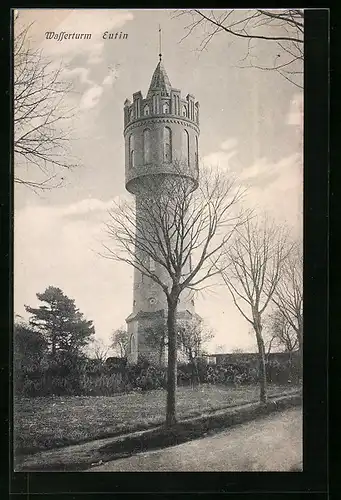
[(62, 324), (29, 346)]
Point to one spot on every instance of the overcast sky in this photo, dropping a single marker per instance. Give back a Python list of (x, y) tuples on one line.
[(251, 126)]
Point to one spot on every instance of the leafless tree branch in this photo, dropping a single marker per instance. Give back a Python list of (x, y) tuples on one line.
[(42, 117), (173, 225), (256, 259), (284, 28), (288, 295), (182, 226)]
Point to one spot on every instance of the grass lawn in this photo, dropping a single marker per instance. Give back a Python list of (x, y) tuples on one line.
[(50, 422)]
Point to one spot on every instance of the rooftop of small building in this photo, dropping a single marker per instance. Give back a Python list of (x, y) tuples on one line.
[(246, 354)]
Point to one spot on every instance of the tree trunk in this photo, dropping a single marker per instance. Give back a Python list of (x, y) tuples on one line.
[(290, 365), (263, 396), (196, 377), (163, 347), (300, 360), (299, 333), (160, 355), (172, 365), (191, 360)]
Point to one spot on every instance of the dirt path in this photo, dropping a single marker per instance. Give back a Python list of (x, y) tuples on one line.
[(273, 443)]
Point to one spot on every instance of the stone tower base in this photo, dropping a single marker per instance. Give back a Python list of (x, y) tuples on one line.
[(139, 326)]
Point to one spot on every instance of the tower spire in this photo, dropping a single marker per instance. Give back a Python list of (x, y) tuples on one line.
[(160, 40)]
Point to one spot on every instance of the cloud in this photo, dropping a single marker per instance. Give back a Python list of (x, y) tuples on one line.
[(54, 249), (112, 76), (295, 115), (82, 207), (231, 143), (108, 80), (82, 74), (86, 206), (91, 97), (95, 55), (221, 159), (275, 187), (260, 171)]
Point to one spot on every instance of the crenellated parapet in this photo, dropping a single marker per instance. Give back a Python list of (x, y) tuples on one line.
[(161, 100), (161, 132), (158, 105)]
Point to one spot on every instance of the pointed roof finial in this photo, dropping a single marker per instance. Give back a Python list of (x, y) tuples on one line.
[(160, 34), (160, 82)]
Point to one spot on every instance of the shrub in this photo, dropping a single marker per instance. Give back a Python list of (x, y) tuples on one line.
[(184, 374), (102, 385), (283, 373), (232, 374), (145, 376), (75, 376)]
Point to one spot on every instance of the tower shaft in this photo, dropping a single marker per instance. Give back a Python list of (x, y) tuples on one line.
[(161, 143)]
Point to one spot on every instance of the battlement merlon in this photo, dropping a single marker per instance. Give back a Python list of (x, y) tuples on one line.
[(159, 105), (173, 93), (161, 100)]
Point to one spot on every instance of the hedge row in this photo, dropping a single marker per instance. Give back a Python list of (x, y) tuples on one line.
[(91, 378)]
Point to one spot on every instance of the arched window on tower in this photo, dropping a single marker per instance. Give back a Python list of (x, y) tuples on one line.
[(146, 146), (146, 110), (165, 108), (131, 151), (184, 111), (196, 152), (131, 114), (185, 147), (167, 145)]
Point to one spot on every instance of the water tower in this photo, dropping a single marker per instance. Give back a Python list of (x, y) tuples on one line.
[(161, 132)]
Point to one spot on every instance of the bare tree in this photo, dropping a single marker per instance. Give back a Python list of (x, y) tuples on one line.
[(220, 349), (121, 342), (283, 28), (41, 116), (288, 296), (280, 334), (237, 350), (184, 231), (192, 338), (255, 261), (100, 350)]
